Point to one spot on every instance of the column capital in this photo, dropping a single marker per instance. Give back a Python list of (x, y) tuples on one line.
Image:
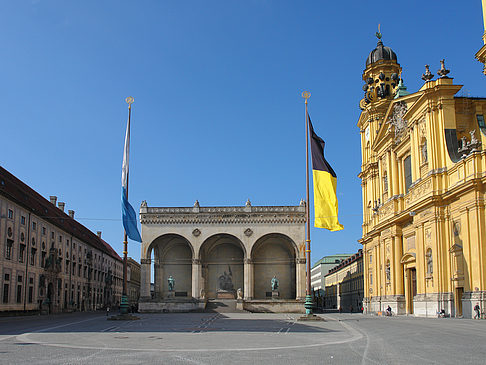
[(145, 261), (196, 262), (300, 261), (248, 261)]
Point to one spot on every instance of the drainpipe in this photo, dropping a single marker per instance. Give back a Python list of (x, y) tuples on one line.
[(26, 264)]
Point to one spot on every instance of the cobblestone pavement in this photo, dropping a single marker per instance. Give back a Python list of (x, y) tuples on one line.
[(240, 338)]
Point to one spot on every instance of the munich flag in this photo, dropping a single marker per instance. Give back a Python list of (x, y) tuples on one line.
[(325, 200)]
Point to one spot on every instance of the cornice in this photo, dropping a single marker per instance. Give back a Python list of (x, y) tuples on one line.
[(224, 215)]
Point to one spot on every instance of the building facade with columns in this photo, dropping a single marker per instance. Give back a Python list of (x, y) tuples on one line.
[(49, 262), (223, 252), (423, 183)]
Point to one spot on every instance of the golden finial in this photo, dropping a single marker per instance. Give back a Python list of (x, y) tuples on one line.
[(129, 101), (306, 95)]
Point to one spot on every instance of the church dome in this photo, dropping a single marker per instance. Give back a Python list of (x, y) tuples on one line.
[(381, 52)]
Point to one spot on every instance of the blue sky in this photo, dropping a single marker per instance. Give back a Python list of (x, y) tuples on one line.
[(218, 114)]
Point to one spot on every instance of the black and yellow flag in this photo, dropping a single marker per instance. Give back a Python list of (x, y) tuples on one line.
[(325, 200)]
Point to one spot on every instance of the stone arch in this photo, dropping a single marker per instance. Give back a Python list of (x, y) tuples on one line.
[(147, 253), (173, 255), (222, 256), (274, 254)]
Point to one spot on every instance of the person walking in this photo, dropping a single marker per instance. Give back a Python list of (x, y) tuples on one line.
[(107, 310), (476, 309)]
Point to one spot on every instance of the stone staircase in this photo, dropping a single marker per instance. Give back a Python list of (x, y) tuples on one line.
[(222, 306)]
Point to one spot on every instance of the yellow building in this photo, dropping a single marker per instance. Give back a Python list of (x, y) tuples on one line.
[(481, 55), (423, 187)]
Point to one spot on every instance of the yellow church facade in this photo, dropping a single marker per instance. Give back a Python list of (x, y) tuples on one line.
[(423, 179)]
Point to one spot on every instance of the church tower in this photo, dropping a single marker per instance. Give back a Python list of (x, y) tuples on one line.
[(481, 54)]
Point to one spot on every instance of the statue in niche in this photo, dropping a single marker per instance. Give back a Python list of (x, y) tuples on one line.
[(239, 294), (274, 283), (226, 280), (424, 152), (171, 282)]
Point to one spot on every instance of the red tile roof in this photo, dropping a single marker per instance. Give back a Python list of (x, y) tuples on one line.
[(19, 192)]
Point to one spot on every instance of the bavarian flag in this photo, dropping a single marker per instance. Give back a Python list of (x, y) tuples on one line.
[(325, 200)]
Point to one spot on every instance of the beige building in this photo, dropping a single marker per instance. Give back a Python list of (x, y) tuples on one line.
[(48, 260), (318, 274), (345, 285), (133, 282), (223, 253), (423, 183)]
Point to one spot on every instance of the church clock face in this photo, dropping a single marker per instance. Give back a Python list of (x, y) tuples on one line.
[(367, 133)]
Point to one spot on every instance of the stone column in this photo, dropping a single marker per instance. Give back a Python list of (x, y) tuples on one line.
[(145, 278), (300, 278), (196, 278), (248, 279), (157, 281)]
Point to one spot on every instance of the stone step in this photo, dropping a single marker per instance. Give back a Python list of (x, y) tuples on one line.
[(222, 306)]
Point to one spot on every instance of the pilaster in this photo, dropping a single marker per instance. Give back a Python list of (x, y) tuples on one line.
[(145, 278), (300, 278), (248, 279)]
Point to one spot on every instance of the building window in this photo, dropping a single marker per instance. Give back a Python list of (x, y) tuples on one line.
[(19, 293), (22, 220), (43, 258), (44, 231), (371, 278), (10, 214), (385, 183), (32, 256), (8, 249), (6, 287), (60, 238), (21, 253), (52, 235), (31, 293), (5, 292), (34, 226), (407, 166), (371, 258)]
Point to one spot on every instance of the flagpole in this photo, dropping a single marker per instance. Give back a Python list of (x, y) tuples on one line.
[(124, 299), (309, 305)]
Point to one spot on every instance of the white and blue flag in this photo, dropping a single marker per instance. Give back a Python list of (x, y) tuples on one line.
[(128, 214)]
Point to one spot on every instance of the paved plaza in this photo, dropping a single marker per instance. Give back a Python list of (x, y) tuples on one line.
[(240, 338)]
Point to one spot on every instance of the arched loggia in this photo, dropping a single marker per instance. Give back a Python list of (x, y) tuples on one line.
[(172, 256), (222, 257), (274, 255)]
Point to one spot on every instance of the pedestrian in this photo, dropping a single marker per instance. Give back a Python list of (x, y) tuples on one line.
[(107, 310), (476, 309)]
